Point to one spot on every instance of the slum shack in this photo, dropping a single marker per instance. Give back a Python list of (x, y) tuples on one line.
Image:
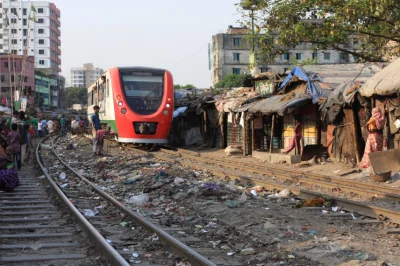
[(272, 120), (231, 121), (195, 119), (383, 91), (342, 113)]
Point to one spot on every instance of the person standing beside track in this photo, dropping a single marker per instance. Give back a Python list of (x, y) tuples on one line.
[(96, 128), (63, 126)]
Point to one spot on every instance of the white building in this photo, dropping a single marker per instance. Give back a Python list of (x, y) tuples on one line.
[(230, 53), (85, 76), (42, 35)]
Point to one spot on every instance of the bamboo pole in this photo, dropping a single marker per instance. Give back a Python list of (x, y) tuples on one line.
[(252, 134), (272, 137), (355, 135)]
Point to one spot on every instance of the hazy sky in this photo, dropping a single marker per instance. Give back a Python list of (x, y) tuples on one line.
[(171, 34)]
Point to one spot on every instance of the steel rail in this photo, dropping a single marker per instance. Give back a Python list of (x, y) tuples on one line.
[(192, 256), (348, 205), (370, 190), (102, 243)]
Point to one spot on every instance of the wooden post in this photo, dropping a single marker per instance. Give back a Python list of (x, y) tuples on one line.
[(244, 134), (222, 130), (272, 137), (355, 136), (252, 134)]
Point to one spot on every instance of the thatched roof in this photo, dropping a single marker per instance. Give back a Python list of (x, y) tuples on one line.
[(384, 83)]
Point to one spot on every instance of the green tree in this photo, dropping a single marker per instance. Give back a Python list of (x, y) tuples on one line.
[(231, 81), (187, 86), (75, 96), (333, 24)]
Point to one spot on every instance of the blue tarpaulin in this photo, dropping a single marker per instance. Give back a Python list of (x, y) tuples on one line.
[(313, 90)]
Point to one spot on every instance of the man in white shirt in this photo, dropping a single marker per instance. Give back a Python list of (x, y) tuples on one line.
[(50, 125)]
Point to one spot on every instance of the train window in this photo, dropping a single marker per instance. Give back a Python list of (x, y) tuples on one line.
[(143, 92), (89, 98)]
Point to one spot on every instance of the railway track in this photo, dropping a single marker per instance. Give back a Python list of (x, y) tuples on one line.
[(115, 222), (35, 230), (369, 190), (191, 159)]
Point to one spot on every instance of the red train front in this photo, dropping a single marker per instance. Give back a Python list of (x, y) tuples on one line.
[(143, 102)]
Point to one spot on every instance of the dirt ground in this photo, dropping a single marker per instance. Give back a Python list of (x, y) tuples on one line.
[(253, 228)]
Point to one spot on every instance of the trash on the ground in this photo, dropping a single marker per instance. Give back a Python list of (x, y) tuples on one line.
[(361, 256), (335, 209), (64, 185), (124, 223), (230, 253), (109, 241), (285, 193), (311, 232), (62, 176), (243, 198), (247, 251), (211, 186), (135, 255), (198, 226), (254, 193), (42, 177), (178, 180), (268, 226), (155, 165), (267, 209), (160, 175), (90, 213), (232, 203), (291, 256), (139, 199), (352, 215), (325, 211)]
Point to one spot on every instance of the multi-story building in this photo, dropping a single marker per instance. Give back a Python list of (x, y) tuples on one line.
[(32, 27), (85, 76), (231, 53), (45, 88), (9, 83)]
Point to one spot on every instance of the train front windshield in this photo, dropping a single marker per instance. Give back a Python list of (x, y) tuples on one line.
[(143, 91)]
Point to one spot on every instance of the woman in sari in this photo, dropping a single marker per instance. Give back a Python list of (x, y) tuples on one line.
[(375, 137), (8, 174)]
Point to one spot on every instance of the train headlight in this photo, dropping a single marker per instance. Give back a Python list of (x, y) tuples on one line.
[(118, 97), (169, 99), (165, 112), (123, 111), (168, 105), (120, 104)]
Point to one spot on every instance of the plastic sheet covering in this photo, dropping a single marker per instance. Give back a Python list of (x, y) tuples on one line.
[(384, 83), (312, 86), (179, 111), (192, 136)]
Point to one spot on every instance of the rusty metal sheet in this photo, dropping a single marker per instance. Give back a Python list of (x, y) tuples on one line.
[(384, 161)]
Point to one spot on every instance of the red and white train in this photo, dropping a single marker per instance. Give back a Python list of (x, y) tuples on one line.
[(136, 102)]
